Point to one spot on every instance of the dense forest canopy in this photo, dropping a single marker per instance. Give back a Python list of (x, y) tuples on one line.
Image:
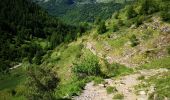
[(76, 11), (21, 21)]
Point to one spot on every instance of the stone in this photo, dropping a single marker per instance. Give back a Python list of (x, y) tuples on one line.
[(142, 92)]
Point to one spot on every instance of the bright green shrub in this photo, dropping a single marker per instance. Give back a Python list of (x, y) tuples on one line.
[(89, 66)]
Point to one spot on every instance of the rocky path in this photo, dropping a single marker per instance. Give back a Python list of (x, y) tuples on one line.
[(124, 85)]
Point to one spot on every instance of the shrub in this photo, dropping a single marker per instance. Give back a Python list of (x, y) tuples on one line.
[(116, 15), (111, 89), (89, 66), (101, 28), (41, 81), (72, 88), (118, 96), (148, 34), (130, 12), (168, 50), (115, 69), (141, 77), (98, 80), (139, 20), (165, 16), (115, 27), (134, 41)]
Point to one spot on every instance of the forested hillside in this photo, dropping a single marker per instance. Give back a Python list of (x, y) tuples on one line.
[(76, 11), (20, 22)]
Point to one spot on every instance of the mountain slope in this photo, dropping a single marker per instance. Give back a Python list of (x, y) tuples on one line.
[(126, 57), (82, 11), (20, 23)]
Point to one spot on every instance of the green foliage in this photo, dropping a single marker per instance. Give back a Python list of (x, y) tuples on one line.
[(148, 6), (88, 12), (41, 83), (111, 89), (72, 88), (168, 50), (158, 63), (101, 28), (118, 96), (12, 79), (134, 41), (161, 85), (147, 34), (98, 80), (116, 15), (115, 28), (19, 26), (141, 77), (130, 12), (89, 66), (165, 16), (139, 20), (115, 69)]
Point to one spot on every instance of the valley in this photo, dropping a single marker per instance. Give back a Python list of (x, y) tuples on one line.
[(125, 56)]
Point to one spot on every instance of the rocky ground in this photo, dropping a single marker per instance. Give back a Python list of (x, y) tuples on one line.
[(124, 85)]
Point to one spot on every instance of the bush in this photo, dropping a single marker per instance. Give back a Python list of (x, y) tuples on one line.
[(168, 50), (165, 16), (116, 15), (89, 66), (115, 28), (134, 41), (72, 88), (118, 96), (115, 69), (98, 80), (111, 89), (130, 12), (141, 77), (139, 20), (101, 28)]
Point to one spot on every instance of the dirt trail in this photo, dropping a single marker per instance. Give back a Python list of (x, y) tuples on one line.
[(124, 85)]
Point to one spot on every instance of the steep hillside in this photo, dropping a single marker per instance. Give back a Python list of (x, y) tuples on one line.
[(21, 23), (126, 57)]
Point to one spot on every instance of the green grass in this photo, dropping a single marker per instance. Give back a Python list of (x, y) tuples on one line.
[(11, 80), (115, 70), (158, 63), (98, 80), (162, 84), (141, 77), (111, 89), (118, 96), (118, 42)]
